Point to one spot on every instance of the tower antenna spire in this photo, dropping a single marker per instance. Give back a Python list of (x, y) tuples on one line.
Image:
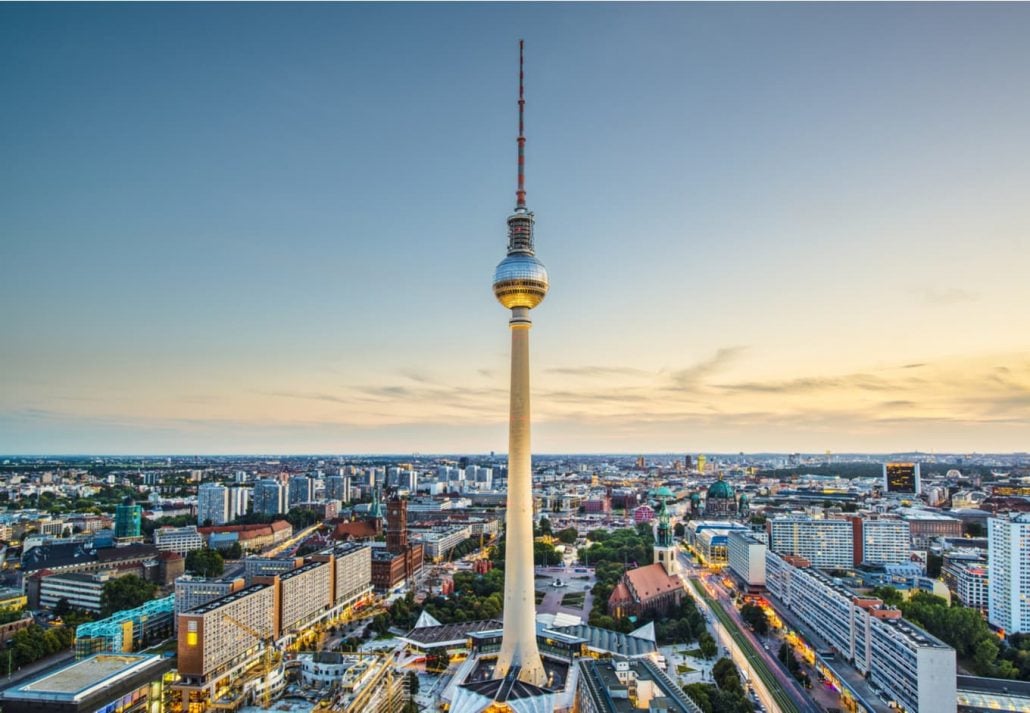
[(520, 193)]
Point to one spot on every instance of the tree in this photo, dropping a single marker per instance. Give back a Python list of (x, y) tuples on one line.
[(933, 565), (679, 530), (205, 562), (568, 536), (126, 592), (755, 616), (706, 643), (62, 607), (234, 551), (544, 526), (725, 675), (412, 682)]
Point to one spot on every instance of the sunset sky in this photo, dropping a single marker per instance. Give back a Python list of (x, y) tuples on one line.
[(272, 228)]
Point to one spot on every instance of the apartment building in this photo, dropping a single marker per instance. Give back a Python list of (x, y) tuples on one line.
[(223, 636), (911, 667), (880, 541), (824, 543), (1008, 559)]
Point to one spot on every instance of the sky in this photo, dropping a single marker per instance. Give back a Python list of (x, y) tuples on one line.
[(272, 228)]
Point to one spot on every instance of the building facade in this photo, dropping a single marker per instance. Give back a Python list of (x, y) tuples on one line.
[(1008, 561), (212, 504), (746, 558), (914, 669), (824, 543)]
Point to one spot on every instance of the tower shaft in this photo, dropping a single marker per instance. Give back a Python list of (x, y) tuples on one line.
[(518, 645)]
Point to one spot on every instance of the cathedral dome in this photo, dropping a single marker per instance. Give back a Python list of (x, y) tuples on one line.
[(721, 490)]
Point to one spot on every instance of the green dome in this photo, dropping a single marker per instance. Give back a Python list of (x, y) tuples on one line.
[(664, 492), (720, 489)]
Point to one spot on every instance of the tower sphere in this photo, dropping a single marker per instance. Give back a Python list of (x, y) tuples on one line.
[(520, 280)]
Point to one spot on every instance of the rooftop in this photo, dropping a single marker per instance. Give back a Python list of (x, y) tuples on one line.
[(80, 679)]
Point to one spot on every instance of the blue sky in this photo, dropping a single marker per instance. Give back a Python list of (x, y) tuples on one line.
[(272, 227)]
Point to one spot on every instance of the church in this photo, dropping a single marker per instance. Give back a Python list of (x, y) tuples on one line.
[(655, 588)]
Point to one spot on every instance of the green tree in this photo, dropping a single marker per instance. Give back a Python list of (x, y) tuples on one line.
[(544, 526), (205, 562), (706, 643), (568, 535), (679, 530), (755, 616), (126, 592)]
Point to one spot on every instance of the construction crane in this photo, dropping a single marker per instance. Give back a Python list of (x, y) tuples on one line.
[(266, 656)]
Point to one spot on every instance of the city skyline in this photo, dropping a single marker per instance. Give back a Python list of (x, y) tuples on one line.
[(228, 229)]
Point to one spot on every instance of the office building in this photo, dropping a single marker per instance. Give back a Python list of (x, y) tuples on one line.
[(127, 630), (212, 504), (901, 479), (1008, 561), (824, 543), (269, 497), (81, 590), (178, 539), (746, 558), (128, 521), (914, 669)]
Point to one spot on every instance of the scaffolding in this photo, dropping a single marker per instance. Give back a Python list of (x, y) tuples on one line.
[(128, 630)]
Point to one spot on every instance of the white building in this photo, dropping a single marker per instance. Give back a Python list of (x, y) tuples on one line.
[(913, 668), (1008, 561), (212, 504), (178, 539), (882, 541), (824, 543), (82, 590), (239, 502), (970, 583), (746, 557)]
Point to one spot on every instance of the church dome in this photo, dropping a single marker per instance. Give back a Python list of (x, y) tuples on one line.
[(720, 489)]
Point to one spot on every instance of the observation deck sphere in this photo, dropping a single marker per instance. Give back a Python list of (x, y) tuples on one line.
[(520, 281)]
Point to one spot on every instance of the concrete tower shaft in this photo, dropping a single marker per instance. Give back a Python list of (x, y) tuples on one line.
[(520, 283)]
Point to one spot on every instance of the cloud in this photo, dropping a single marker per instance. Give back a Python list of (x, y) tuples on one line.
[(861, 381), (693, 376), (597, 371), (945, 295)]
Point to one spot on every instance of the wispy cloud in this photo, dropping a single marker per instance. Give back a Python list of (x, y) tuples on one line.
[(696, 374), (945, 295)]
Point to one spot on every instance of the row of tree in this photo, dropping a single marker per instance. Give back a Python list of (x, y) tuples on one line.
[(726, 696)]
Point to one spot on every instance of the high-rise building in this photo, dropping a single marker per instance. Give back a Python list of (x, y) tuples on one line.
[(337, 487), (745, 555), (128, 521), (302, 490), (212, 504), (880, 541), (1008, 578), (901, 478), (269, 497), (239, 502), (824, 543)]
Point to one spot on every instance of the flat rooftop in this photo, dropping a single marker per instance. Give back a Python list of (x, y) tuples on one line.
[(76, 681)]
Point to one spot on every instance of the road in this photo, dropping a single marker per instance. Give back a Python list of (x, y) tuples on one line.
[(776, 689), (296, 539)]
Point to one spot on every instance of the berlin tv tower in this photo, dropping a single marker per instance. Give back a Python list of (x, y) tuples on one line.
[(520, 284)]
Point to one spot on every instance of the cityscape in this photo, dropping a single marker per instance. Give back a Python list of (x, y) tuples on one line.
[(772, 459)]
